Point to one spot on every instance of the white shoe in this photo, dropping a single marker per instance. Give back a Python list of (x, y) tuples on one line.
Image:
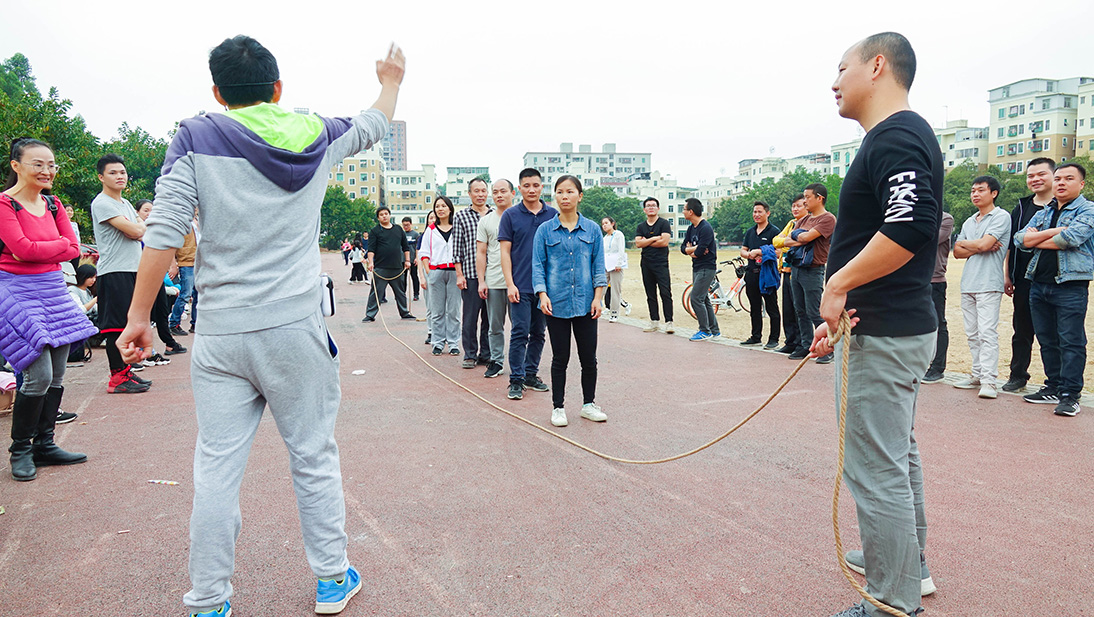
[(626, 309), (668, 328), (613, 317), (591, 411), (968, 384), (558, 417), (653, 327), (987, 390)]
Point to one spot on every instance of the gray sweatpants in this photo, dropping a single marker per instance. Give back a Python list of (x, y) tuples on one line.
[(444, 308), (497, 307), (881, 461), (292, 369)]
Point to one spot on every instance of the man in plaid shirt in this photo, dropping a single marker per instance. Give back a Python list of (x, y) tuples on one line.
[(465, 228)]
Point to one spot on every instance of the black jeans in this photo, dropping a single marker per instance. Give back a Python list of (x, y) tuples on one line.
[(584, 329), (656, 276), (790, 316), (1021, 344), (757, 302), (942, 343), (474, 318), (414, 279)]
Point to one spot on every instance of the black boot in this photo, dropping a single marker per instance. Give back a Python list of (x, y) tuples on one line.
[(24, 423), (45, 451)]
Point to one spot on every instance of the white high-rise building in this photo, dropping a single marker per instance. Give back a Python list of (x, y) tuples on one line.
[(607, 167)]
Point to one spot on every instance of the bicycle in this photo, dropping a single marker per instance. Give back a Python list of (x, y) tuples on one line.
[(720, 296)]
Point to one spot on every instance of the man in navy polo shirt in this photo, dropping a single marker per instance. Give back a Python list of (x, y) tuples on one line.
[(515, 233)]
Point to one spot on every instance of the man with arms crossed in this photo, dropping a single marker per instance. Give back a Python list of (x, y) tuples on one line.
[(492, 287), (263, 339), (812, 232), (653, 238), (465, 233), (883, 253), (790, 315), (1061, 237), (1015, 284), (979, 243), (516, 230)]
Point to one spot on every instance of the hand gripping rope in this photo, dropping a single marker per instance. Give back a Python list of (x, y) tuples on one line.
[(843, 329)]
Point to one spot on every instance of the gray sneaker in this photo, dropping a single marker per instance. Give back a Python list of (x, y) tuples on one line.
[(857, 563), (971, 383), (854, 611)]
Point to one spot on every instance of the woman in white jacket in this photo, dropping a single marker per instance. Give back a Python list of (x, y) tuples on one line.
[(440, 279), (615, 262)]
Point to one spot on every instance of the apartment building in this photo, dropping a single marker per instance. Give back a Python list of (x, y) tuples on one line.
[(361, 175), (961, 143), (1031, 118), (1084, 132), (607, 167), (455, 186), (395, 146), (410, 193)]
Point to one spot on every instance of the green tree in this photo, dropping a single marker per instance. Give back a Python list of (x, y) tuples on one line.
[(143, 156), (600, 201), (733, 217), (342, 217), (957, 188)]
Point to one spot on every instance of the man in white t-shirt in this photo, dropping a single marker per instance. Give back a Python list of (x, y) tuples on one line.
[(492, 287)]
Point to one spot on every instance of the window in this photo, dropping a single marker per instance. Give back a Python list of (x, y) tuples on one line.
[(1002, 132), (1022, 110), (1081, 121), (1021, 149), (1065, 121), (1048, 125), (1046, 104), (1002, 112), (352, 167), (353, 195), (1019, 166), (427, 187), (1013, 111), (670, 209), (1065, 142), (353, 181), (1067, 102), (372, 189), (340, 177), (671, 196), (999, 151), (373, 175), (835, 157)]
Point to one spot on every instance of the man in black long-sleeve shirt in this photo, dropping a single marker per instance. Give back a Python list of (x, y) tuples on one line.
[(879, 269), (699, 244)]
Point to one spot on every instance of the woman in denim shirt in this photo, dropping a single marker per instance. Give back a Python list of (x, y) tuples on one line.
[(569, 278)]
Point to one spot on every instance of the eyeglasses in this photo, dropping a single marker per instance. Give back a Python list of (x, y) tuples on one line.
[(40, 167)]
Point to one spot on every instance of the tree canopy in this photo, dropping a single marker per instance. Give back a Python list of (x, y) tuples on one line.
[(733, 217), (342, 217), (600, 201)]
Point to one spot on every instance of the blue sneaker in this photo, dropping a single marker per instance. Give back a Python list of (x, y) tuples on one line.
[(700, 336), (331, 596), (224, 611)]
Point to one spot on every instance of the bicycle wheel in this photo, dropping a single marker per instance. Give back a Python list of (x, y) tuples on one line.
[(716, 298), (742, 299), (686, 301)]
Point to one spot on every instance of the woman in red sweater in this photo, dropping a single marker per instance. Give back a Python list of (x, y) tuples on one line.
[(38, 319)]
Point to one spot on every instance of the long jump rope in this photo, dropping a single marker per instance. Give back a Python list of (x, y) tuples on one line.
[(843, 329)]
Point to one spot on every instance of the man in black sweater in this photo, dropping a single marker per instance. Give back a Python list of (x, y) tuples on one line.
[(699, 244), (388, 258)]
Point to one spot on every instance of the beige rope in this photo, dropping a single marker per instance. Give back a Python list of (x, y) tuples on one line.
[(844, 328)]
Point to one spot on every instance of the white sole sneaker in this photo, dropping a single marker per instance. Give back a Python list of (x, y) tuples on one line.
[(668, 328), (591, 411), (988, 391), (926, 585), (558, 417)]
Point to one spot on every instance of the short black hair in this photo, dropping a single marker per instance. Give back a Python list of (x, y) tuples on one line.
[(244, 71), (477, 179), (529, 172), (1042, 160), (694, 205), (1082, 170), (993, 184), (407, 219), (760, 203), (381, 209), (84, 272), (649, 199), (108, 159), (898, 53), (798, 197), (819, 190)]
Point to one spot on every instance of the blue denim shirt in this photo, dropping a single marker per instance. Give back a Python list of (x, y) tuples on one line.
[(1076, 254), (568, 265)]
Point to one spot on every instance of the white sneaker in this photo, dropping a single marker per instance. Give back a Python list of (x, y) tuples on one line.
[(968, 384), (653, 327), (668, 328), (987, 390), (626, 309), (591, 411), (613, 316), (558, 417)]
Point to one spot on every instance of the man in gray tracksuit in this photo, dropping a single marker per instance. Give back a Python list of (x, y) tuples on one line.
[(259, 173)]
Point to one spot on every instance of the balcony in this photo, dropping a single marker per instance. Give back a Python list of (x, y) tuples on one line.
[(1012, 131)]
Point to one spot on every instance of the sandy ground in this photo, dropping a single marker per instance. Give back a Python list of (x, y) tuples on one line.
[(737, 325)]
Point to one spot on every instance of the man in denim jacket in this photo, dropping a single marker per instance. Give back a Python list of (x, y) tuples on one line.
[(1061, 237)]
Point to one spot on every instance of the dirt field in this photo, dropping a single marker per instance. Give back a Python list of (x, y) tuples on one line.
[(737, 326)]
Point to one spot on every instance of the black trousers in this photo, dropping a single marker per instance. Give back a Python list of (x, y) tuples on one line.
[(1021, 344), (790, 316), (584, 332), (357, 273), (654, 277), (476, 345), (758, 303), (942, 344), (414, 279), (161, 311)]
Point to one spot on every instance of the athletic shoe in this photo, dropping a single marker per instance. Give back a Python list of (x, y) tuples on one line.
[(428, 339), (591, 411), (516, 390), (787, 348), (407, 316), (1014, 384), (558, 417), (857, 562), (331, 596), (438, 351), (653, 327), (771, 345), (177, 331), (483, 362), (64, 417), (932, 376), (668, 328), (454, 352), (224, 611), (139, 379), (714, 336), (613, 316), (1044, 396), (415, 298), (122, 382), (752, 340), (173, 350), (1068, 406), (626, 307), (468, 363), (535, 383), (493, 370), (798, 354), (987, 390), (191, 328), (368, 319), (136, 368), (968, 384), (700, 336), (854, 611), (825, 359)]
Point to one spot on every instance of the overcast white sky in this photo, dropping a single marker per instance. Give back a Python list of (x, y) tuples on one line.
[(701, 85)]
